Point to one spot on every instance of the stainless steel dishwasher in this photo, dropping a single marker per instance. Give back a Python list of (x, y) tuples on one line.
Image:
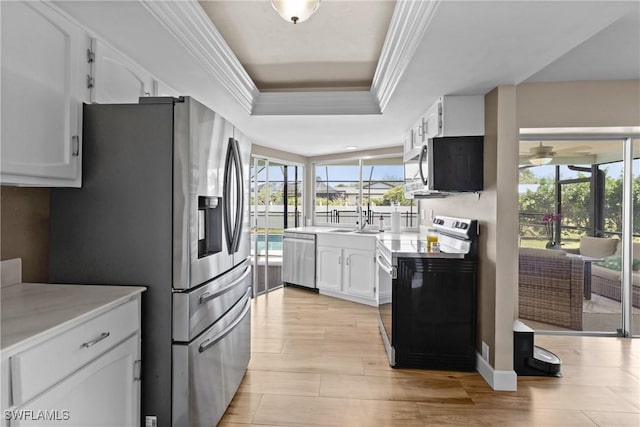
[(299, 259)]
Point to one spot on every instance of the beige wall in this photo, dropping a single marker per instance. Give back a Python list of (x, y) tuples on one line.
[(497, 204), (24, 230), (273, 154), (575, 104)]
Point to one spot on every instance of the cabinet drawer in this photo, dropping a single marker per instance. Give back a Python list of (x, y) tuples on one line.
[(38, 368)]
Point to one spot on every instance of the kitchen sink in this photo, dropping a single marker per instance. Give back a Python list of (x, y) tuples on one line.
[(367, 232), (346, 230)]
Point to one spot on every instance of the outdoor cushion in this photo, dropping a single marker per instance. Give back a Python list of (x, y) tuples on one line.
[(636, 253), (614, 262), (597, 247), (605, 273)]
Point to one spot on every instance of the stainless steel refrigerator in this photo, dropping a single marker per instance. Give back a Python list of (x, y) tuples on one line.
[(164, 204)]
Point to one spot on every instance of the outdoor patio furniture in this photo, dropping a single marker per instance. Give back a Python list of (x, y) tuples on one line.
[(551, 287), (605, 275)]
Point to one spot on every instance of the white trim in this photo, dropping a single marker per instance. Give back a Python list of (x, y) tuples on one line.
[(352, 298), (315, 103), (409, 22), (497, 380), (191, 26)]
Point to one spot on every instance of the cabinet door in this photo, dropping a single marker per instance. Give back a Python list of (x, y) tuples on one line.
[(432, 121), (103, 393), (359, 270), (418, 133), (329, 268), (44, 82), (116, 78)]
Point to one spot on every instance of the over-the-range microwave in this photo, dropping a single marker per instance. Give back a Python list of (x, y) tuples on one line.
[(447, 164)]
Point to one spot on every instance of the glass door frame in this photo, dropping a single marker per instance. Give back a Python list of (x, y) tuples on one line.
[(258, 161), (626, 135)]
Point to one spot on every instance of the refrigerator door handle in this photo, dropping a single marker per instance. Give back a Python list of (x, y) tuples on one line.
[(210, 342), (207, 296), (228, 231), (239, 196)]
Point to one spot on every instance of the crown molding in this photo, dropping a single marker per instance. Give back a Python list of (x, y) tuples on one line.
[(191, 26), (409, 21), (316, 103)]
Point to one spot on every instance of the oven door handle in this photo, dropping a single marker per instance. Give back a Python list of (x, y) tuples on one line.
[(382, 262), (207, 296), (210, 342)]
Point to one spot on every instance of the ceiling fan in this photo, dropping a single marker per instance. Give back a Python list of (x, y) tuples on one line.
[(543, 154)]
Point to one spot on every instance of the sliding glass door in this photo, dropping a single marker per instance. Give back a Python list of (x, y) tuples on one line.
[(580, 199), (276, 205)]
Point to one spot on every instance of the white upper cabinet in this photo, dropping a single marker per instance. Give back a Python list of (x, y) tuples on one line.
[(450, 115), (43, 85), (116, 78)]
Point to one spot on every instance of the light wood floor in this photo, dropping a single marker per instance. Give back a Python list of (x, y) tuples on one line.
[(319, 361)]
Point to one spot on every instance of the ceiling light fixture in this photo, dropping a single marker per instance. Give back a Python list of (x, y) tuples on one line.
[(351, 147), (295, 10), (539, 161)]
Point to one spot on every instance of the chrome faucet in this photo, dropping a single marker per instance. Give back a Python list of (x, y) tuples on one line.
[(361, 223)]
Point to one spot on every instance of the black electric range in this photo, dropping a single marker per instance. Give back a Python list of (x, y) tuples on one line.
[(427, 298)]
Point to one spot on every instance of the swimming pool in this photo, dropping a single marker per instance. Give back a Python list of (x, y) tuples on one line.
[(274, 243)]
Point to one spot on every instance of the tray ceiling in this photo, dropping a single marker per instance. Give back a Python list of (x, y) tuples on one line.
[(336, 49)]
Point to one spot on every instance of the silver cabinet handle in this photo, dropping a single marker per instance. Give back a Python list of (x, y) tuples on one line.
[(339, 260), (346, 261), (75, 146), (95, 341)]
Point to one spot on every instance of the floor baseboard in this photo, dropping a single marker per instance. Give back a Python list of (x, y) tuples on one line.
[(497, 380)]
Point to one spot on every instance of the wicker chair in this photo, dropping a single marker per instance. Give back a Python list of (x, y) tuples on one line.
[(551, 287)]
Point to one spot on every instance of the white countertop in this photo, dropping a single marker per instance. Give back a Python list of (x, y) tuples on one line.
[(30, 310), (411, 245), (330, 229)]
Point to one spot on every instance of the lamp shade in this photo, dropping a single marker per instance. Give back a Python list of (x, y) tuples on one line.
[(295, 10), (539, 161)]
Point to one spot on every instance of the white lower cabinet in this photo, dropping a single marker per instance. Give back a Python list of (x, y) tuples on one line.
[(359, 273), (329, 267), (85, 375), (102, 393), (346, 267)]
